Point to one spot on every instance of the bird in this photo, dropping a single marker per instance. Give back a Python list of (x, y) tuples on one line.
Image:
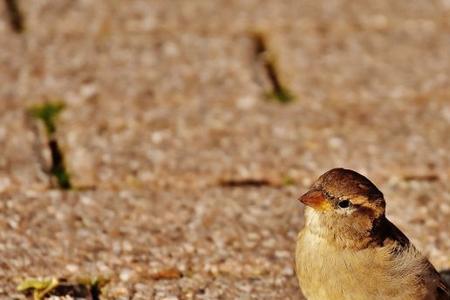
[(348, 249)]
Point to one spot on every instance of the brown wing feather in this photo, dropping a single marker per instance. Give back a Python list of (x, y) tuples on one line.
[(385, 233), (443, 290)]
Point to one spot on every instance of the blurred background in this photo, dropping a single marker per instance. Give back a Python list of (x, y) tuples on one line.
[(162, 144)]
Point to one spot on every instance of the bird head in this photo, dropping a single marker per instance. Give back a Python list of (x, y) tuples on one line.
[(345, 203)]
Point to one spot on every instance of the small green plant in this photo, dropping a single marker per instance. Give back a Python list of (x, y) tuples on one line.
[(94, 285), (281, 95), (79, 288), (48, 113), (263, 54), (40, 287), (288, 181), (16, 17), (58, 168)]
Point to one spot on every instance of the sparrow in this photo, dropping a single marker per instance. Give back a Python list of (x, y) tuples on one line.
[(348, 249)]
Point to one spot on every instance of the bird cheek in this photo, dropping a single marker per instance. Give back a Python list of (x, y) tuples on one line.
[(316, 200)]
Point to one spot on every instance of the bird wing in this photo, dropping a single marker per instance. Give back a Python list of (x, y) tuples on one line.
[(395, 237), (385, 233), (442, 290)]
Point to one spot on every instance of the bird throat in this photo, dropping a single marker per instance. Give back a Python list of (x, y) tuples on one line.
[(355, 233)]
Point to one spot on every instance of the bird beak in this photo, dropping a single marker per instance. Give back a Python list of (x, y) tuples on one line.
[(315, 199)]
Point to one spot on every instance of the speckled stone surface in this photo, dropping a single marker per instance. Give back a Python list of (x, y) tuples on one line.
[(166, 101)]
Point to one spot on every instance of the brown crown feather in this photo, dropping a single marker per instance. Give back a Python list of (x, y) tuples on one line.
[(341, 182)]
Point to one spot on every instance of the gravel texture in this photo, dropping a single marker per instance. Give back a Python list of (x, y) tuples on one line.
[(167, 114)]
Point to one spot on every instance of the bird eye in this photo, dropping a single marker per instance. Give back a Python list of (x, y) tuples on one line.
[(344, 204)]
